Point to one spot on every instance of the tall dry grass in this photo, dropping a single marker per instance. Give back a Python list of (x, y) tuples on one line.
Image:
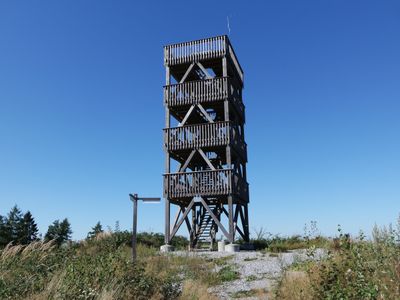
[(355, 268)]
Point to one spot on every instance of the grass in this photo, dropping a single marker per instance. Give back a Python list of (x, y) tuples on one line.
[(100, 269), (227, 273), (220, 261), (355, 268), (243, 294)]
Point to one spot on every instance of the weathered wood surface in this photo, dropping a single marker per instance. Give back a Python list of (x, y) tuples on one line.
[(210, 48), (205, 183), (205, 135), (204, 91), (210, 79)]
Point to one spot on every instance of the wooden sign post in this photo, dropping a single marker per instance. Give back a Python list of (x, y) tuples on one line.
[(135, 198)]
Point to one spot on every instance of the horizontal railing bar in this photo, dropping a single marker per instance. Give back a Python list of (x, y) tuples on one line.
[(201, 124), (195, 41), (199, 80), (196, 172)]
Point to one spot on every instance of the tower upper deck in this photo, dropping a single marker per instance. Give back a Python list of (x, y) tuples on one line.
[(201, 50)]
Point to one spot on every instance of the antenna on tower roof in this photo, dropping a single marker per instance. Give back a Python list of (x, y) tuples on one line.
[(228, 25)]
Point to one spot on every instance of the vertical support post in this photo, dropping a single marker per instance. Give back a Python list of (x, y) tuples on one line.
[(231, 227), (167, 221), (228, 158), (167, 168), (246, 223), (224, 67), (194, 227), (134, 226), (167, 76)]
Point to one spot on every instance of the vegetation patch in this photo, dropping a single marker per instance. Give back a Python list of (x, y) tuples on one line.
[(244, 293), (228, 273), (355, 268), (251, 278), (250, 259), (220, 261)]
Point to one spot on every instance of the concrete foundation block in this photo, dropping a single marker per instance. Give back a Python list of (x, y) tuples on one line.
[(166, 248), (221, 246), (232, 248)]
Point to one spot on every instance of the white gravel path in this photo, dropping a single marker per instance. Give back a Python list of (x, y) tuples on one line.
[(257, 271)]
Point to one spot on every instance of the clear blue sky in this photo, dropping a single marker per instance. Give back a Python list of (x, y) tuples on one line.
[(81, 108)]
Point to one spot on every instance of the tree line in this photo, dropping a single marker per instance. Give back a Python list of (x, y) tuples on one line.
[(20, 228)]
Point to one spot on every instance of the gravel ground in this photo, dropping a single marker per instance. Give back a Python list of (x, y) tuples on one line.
[(257, 271)]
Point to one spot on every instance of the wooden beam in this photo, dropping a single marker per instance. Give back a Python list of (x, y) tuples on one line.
[(186, 116), (205, 71), (187, 221), (246, 223), (225, 211), (230, 210), (236, 213), (167, 221), (185, 165), (215, 218), (181, 219), (176, 218), (206, 159), (240, 232), (205, 113), (167, 76), (187, 73), (224, 67)]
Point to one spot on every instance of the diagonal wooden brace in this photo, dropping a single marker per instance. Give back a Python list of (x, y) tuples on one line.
[(187, 73), (176, 227), (215, 218)]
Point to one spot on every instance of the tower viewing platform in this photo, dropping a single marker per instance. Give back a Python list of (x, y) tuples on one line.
[(201, 50)]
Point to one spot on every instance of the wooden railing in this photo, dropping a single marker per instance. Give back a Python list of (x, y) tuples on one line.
[(204, 183), (201, 91), (195, 50), (197, 136), (193, 92), (203, 49), (204, 135)]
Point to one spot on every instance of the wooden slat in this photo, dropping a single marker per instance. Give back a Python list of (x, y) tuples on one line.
[(195, 50)]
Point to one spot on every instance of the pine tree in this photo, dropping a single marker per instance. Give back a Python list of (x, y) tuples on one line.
[(13, 225), (3, 232), (29, 230), (95, 230), (60, 232)]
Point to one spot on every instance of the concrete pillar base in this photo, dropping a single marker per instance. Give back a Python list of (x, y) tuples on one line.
[(221, 246), (166, 248), (232, 248)]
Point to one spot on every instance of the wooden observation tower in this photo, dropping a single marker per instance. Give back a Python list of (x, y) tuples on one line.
[(206, 155)]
